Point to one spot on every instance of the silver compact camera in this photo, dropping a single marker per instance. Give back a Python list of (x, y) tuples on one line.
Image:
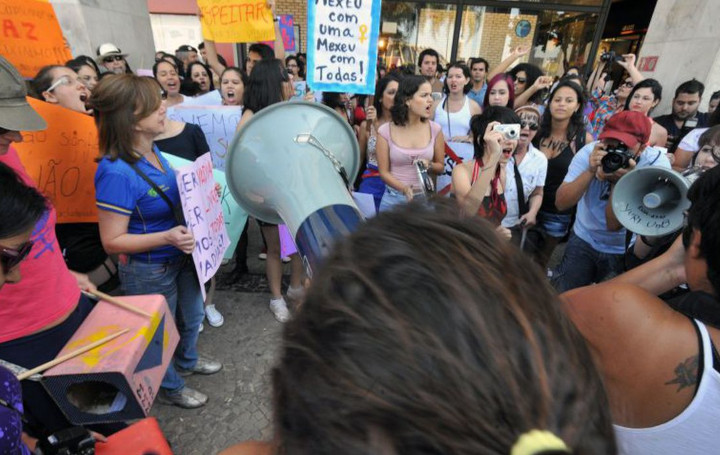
[(510, 132)]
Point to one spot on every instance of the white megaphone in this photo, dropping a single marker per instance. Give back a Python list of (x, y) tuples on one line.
[(652, 201), (292, 163)]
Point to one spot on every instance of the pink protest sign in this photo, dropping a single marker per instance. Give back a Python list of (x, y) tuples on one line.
[(204, 216)]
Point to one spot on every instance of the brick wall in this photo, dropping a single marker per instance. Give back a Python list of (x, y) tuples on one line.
[(298, 8), (492, 35)]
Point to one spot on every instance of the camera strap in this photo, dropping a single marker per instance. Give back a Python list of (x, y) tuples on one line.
[(522, 203), (175, 209)]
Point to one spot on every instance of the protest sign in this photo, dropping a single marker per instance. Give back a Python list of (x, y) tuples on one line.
[(455, 153), (204, 216), (217, 122), (287, 31), (342, 45), (234, 216), (236, 21), (31, 37), (61, 161)]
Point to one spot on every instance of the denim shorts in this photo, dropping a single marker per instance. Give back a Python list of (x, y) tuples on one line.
[(391, 197), (555, 225)]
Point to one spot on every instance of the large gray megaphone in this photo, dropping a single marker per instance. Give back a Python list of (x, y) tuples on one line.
[(652, 201), (292, 163)]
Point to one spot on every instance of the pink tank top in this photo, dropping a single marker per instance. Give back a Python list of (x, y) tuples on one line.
[(402, 159)]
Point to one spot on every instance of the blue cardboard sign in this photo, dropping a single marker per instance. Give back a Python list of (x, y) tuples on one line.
[(342, 45)]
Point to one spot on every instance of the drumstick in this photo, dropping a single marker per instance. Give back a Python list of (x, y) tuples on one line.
[(110, 299), (70, 355)]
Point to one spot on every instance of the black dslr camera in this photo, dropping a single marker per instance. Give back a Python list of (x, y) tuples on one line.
[(609, 57), (618, 157), (72, 441)]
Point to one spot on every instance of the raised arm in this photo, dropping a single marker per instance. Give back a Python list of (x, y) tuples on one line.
[(629, 64), (505, 64)]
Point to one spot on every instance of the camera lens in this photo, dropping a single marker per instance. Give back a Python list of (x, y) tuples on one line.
[(612, 162)]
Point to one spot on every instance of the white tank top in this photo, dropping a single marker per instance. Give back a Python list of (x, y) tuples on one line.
[(454, 123), (696, 430)]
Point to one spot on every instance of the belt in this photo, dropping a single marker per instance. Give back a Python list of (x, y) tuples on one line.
[(104, 272)]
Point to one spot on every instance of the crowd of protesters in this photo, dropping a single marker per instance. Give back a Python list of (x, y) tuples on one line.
[(451, 323)]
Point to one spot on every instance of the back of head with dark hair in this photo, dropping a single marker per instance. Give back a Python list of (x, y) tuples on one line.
[(475, 60), (407, 351), (430, 52), (704, 215), (714, 118), (577, 121), (479, 123), (21, 205), (332, 100), (407, 88), (532, 72), (650, 83), (380, 89), (690, 87), (263, 50), (264, 85)]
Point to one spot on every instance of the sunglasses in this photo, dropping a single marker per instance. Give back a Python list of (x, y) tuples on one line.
[(520, 80), (11, 258), (628, 84), (532, 125), (113, 58)]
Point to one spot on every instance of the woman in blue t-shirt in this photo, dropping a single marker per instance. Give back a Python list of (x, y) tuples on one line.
[(142, 222)]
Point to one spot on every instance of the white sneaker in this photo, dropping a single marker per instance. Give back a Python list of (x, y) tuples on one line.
[(279, 309), (286, 259), (213, 316), (296, 293), (262, 256), (202, 327)]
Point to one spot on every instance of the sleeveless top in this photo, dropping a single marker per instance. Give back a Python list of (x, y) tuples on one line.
[(556, 171), (402, 159), (454, 123), (695, 429), (493, 207)]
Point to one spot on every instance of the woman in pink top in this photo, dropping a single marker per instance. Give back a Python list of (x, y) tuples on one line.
[(409, 138)]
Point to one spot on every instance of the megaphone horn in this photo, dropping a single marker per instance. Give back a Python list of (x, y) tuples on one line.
[(292, 163), (651, 201)]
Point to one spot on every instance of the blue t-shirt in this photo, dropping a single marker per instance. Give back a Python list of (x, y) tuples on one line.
[(119, 189), (590, 221), (478, 96)]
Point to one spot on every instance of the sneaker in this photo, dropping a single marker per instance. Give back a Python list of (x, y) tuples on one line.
[(279, 309), (296, 293), (202, 327), (286, 259), (213, 316), (263, 254), (187, 398), (203, 366)]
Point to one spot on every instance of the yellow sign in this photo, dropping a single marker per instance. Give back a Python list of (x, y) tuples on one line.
[(236, 21), (30, 36)]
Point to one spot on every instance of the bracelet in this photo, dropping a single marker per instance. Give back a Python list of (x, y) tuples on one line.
[(276, 19)]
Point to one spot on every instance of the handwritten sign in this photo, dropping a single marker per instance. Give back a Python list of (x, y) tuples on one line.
[(235, 216), (455, 153), (30, 36), (236, 21), (342, 45), (287, 31), (204, 216), (61, 161), (648, 64), (217, 122)]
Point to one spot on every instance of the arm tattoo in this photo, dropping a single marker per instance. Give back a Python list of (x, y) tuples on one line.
[(686, 373)]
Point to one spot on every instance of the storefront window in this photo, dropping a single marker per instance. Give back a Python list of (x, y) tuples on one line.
[(409, 27), (557, 39)]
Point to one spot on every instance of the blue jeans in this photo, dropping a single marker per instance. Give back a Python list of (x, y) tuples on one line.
[(582, 265), (390, 198), (177, 282)]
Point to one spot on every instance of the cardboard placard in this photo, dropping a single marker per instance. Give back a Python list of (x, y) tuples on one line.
[(236, 21), (342, 45), (204, 216), (61, 161), (30, 36)]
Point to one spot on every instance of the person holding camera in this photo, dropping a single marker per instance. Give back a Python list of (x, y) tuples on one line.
[(597, 244)]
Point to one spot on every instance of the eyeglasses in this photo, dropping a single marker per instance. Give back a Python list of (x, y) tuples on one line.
[(11, 258), (532, 125), (714, 150), (113, 58), (64, 80), (520, 80)]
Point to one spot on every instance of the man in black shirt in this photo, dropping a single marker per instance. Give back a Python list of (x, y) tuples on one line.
[(685, 115)]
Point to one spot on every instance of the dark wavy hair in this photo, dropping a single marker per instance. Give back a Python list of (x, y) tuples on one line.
[(409, 85), (479, 123), (188, 73), (577, 122), (704, 216), (652, 84), (80, 61), (466, 72), (492, 82), (533, 72), (380, 89), (406, 351), (265, 85), (21, 205)]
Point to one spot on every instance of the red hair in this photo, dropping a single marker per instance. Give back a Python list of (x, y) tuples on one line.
[(511, 89)]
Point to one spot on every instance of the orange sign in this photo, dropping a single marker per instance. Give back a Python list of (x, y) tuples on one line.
[(236, 21), (30, 36), (61, 161)]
